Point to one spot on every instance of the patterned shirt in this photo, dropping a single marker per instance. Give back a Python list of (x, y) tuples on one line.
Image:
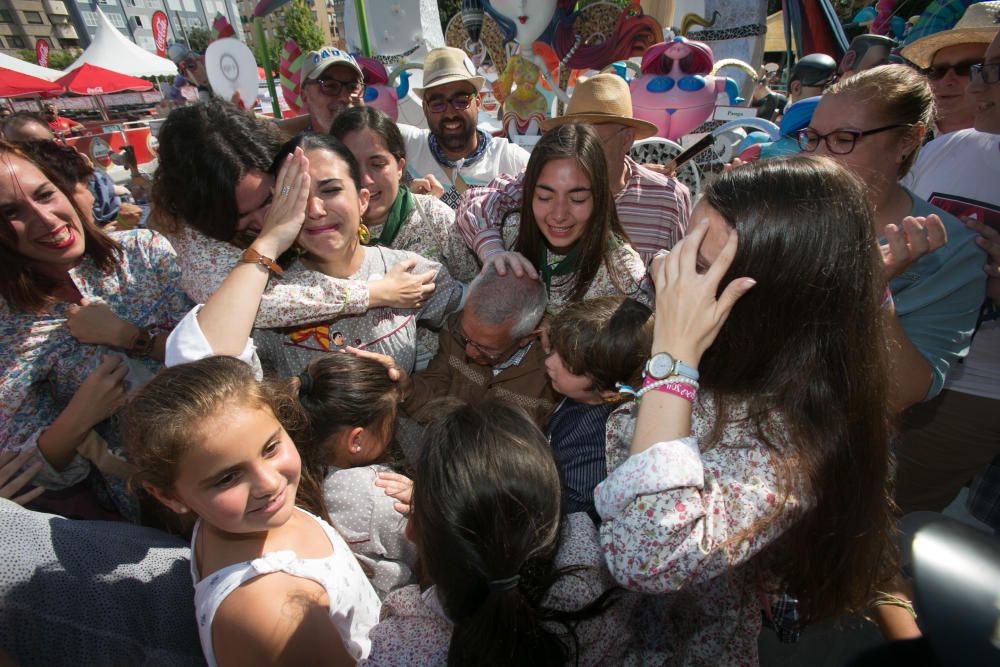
[(670, 515), (652, 208), (622, 273), (43, 365), (414, 629)]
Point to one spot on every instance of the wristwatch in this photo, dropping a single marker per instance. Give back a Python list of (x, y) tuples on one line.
[(251, 256), (142, 343), (661, 366)]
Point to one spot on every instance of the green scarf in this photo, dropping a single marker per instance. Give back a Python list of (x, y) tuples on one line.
[(400, 211), (566, 265)]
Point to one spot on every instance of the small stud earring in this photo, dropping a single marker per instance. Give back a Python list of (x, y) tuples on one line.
[(356, 448)]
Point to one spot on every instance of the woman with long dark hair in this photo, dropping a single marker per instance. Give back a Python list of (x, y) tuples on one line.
[(759, 458), (514, 582), (567, 226)]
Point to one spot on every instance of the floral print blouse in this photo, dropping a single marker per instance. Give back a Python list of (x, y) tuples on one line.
[(684, 524), (43, 365), (302, 296), (414, 629)]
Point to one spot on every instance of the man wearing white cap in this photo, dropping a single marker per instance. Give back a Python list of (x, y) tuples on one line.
[(653, 208), (946, 441), (454, 150), (332, 81)]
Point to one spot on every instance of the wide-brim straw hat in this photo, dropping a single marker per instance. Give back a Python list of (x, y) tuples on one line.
[(978, 25), (448, 65), (603, 98)]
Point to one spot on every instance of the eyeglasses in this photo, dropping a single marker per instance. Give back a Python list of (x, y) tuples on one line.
[(987, 73), (492, 357), (838, 142), (334, 87), (938, 72), (458, 102)]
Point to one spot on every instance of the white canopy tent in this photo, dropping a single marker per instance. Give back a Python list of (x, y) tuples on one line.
[(112, 50), (24, 67)]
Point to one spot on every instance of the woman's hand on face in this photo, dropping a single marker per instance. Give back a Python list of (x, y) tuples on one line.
[(102, 393), (10, 463), (397, 486), (96, 324), (402, 289), (428, 185), (688, 316), (909, 241), (287, 213), (988, 240), (515, 261)]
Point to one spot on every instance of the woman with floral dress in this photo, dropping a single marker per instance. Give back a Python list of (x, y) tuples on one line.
[(758, 461), (62, 280)]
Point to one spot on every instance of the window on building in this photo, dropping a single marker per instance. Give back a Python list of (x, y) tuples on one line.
[(138, 21), (33, 17), (175, 5), (15, 42), (90, 19), (58, 19), (5, 16), (117, 20)]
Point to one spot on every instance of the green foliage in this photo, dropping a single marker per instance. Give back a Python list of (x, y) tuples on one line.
[(198, 39), (57, 59), (447, 9), (273, 47), (299, 24)]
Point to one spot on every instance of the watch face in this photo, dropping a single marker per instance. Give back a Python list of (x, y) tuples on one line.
[(661, 365)]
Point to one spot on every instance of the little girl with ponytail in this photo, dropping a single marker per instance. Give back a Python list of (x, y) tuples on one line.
[(514, 582)]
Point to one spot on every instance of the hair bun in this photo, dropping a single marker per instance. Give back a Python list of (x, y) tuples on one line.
[(305, 383)]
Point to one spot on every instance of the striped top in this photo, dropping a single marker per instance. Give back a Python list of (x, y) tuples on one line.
[(653, 210)]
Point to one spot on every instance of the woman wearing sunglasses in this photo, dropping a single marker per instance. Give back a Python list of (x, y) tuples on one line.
[(873, 123)]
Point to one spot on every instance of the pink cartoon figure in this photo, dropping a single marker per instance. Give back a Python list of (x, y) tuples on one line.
[(676, 90), (378, 91)]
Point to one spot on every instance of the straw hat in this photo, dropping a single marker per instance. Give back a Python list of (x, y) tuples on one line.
[(977, 26), (603, 98), (448, 65)]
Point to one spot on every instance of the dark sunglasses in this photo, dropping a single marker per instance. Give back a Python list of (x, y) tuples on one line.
[(458, 102), (989, 73), (938, 72)]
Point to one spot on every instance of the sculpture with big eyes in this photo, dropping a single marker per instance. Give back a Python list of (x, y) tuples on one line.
[(379, 92), (676, 90)]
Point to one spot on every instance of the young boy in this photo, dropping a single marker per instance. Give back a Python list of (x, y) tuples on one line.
[(594, 346)]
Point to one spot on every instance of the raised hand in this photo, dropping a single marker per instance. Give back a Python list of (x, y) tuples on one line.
[(688, 315), (287, 213), (515, 261), (909, 241)]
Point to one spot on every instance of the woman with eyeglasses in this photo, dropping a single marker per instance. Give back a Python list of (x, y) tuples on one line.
[(873, 123), (567, 225)]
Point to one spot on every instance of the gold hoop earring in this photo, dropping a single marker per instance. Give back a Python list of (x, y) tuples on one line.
[(363, 234)]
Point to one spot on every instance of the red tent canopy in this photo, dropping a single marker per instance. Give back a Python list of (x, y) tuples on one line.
[(16, 84), (92, 80)]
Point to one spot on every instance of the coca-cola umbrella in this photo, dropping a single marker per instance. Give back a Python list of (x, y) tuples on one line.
[(93, 80), (17, 84)]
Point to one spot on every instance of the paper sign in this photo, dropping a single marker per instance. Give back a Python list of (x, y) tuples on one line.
[(734, 113)]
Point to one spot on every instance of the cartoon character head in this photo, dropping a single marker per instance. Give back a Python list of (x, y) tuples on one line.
[(522, 21), (676, 90)]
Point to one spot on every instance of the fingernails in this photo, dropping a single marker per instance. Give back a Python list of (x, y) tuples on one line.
[(749, 282)]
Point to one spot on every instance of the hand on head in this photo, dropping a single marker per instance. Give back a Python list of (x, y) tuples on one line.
[(515, 261), (287, 214), (688, 314)]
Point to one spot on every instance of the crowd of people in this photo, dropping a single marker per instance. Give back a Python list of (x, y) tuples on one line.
[(382, 395)]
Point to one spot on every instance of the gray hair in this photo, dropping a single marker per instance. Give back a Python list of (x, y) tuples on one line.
[(496, 300)]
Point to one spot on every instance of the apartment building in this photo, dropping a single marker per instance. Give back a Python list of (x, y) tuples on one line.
[(326, 13), (23, 22)]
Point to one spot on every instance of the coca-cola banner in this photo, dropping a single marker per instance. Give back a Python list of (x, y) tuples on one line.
[(160, 28), (42, 53)]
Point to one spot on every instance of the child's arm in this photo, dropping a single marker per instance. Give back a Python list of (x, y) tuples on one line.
[(290, 624)]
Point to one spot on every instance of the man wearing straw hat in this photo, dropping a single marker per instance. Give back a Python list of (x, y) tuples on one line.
[(454, 150), (946, 56), (653, 208)]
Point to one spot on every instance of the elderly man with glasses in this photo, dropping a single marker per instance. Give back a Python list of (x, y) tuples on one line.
[(453, 149), (332, 81)]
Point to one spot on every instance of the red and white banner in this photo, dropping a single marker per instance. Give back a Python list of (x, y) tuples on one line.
[(160, 27), (42, 53)]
